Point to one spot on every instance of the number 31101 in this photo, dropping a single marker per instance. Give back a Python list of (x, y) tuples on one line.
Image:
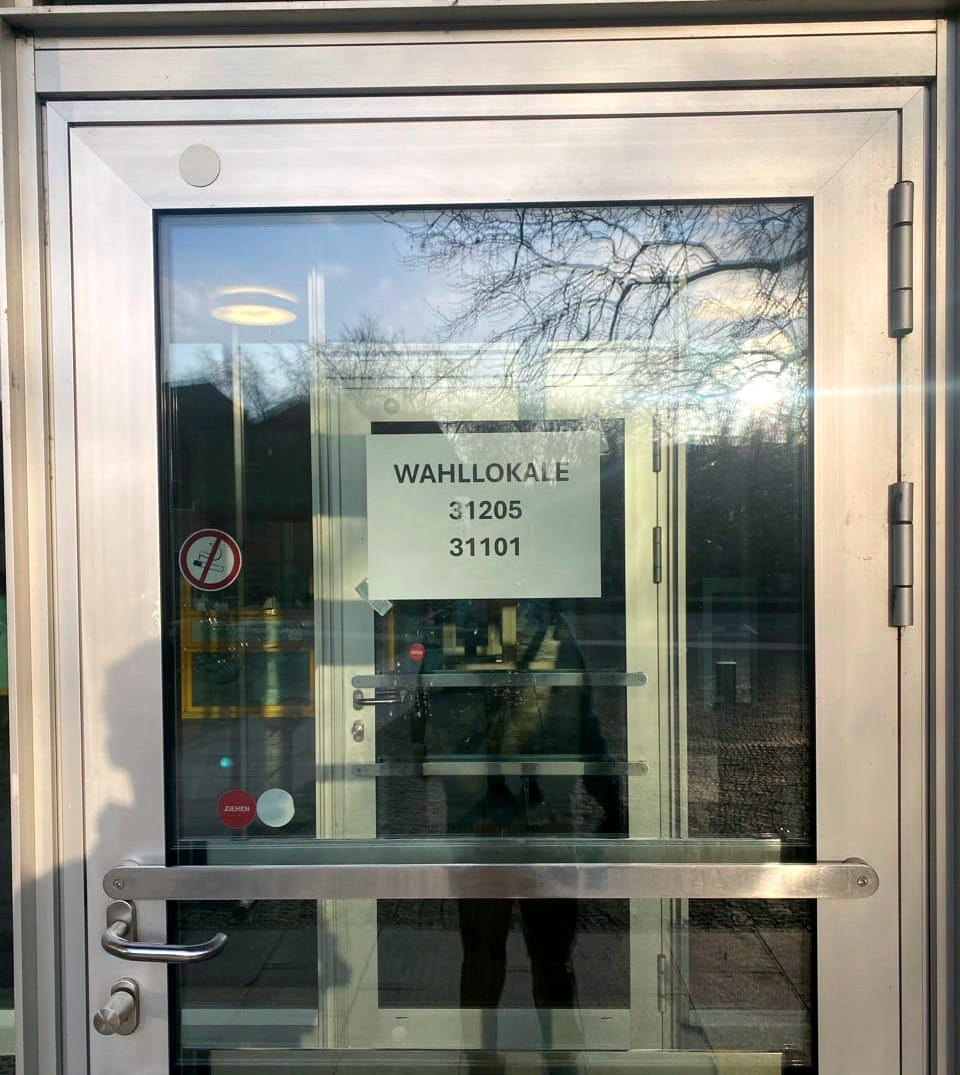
[(500, 546)]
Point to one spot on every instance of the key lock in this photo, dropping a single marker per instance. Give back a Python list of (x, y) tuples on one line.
[(121, 1013)]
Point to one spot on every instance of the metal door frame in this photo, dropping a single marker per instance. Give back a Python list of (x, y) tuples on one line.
[(41, 558), (121, 173)]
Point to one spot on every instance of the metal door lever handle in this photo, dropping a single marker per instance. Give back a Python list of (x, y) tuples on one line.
[(119, 939), (387, 699)]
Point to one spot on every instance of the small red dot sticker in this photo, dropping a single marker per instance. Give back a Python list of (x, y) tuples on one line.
[(236, 808), (417, 651)]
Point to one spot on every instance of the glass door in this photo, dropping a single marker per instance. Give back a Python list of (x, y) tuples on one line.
[(488, 677), (518, 711)]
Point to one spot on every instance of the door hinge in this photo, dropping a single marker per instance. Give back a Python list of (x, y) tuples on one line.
[(657, 447), (658, 554), (901, 554), (661, 982), (901, 260)]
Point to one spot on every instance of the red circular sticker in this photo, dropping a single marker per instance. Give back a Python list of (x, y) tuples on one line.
[(210, 559), (236, 808), (417, 651)]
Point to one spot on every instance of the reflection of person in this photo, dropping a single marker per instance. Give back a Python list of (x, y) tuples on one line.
[(491, 723), (549, 930), (509, 723)]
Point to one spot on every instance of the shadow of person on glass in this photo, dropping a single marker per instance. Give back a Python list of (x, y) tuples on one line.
[(280, 956), (503, 726)]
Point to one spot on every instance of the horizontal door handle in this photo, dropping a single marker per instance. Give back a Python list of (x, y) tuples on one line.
[(503, 677), (359, 701), (520, 765), (119, 940), (851, 879)]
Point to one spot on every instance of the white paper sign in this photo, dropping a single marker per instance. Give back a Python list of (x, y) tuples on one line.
[(499, 515)]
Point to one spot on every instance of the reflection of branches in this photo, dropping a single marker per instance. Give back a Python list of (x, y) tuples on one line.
[(602, 273), (365, 358), (432, 378), (696, 310), (223, 368), (691, 301)]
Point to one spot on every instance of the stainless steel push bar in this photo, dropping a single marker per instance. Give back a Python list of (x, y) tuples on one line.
[(851, 879)]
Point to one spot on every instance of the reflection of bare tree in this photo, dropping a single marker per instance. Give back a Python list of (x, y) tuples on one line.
[(690, 302), (365, 357), (698, 312), (432, 377), (218, 366)]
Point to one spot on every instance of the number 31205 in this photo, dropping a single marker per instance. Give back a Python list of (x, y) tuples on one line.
[(485, 509)]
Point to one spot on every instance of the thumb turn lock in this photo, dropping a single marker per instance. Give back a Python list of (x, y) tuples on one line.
[(121, 1013)]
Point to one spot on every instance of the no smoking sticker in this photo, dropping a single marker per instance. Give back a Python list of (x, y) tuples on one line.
[(210, 560)]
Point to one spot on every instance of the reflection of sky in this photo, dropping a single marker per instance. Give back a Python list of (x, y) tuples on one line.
[(360, 257), (735, 347)]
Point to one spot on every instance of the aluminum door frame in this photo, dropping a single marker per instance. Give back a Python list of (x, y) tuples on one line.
[(904, 102), (226, 61)]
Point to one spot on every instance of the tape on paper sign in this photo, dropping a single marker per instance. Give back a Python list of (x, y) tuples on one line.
[(362, 590), (210, 560)]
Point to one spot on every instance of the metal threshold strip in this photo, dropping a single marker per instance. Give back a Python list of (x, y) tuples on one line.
[(851, 879)]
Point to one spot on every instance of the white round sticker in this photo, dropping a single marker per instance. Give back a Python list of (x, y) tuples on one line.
[(275, 808)]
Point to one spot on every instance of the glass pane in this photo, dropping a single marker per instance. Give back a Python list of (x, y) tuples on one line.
[(487, 536)]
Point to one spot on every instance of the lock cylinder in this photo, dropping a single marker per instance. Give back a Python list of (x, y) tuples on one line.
[(121, 1013)]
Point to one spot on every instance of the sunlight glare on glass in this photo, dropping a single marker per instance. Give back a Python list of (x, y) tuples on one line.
[(761, 394)]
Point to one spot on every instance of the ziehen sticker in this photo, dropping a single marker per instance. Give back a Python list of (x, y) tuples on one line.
[(236, 808)]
